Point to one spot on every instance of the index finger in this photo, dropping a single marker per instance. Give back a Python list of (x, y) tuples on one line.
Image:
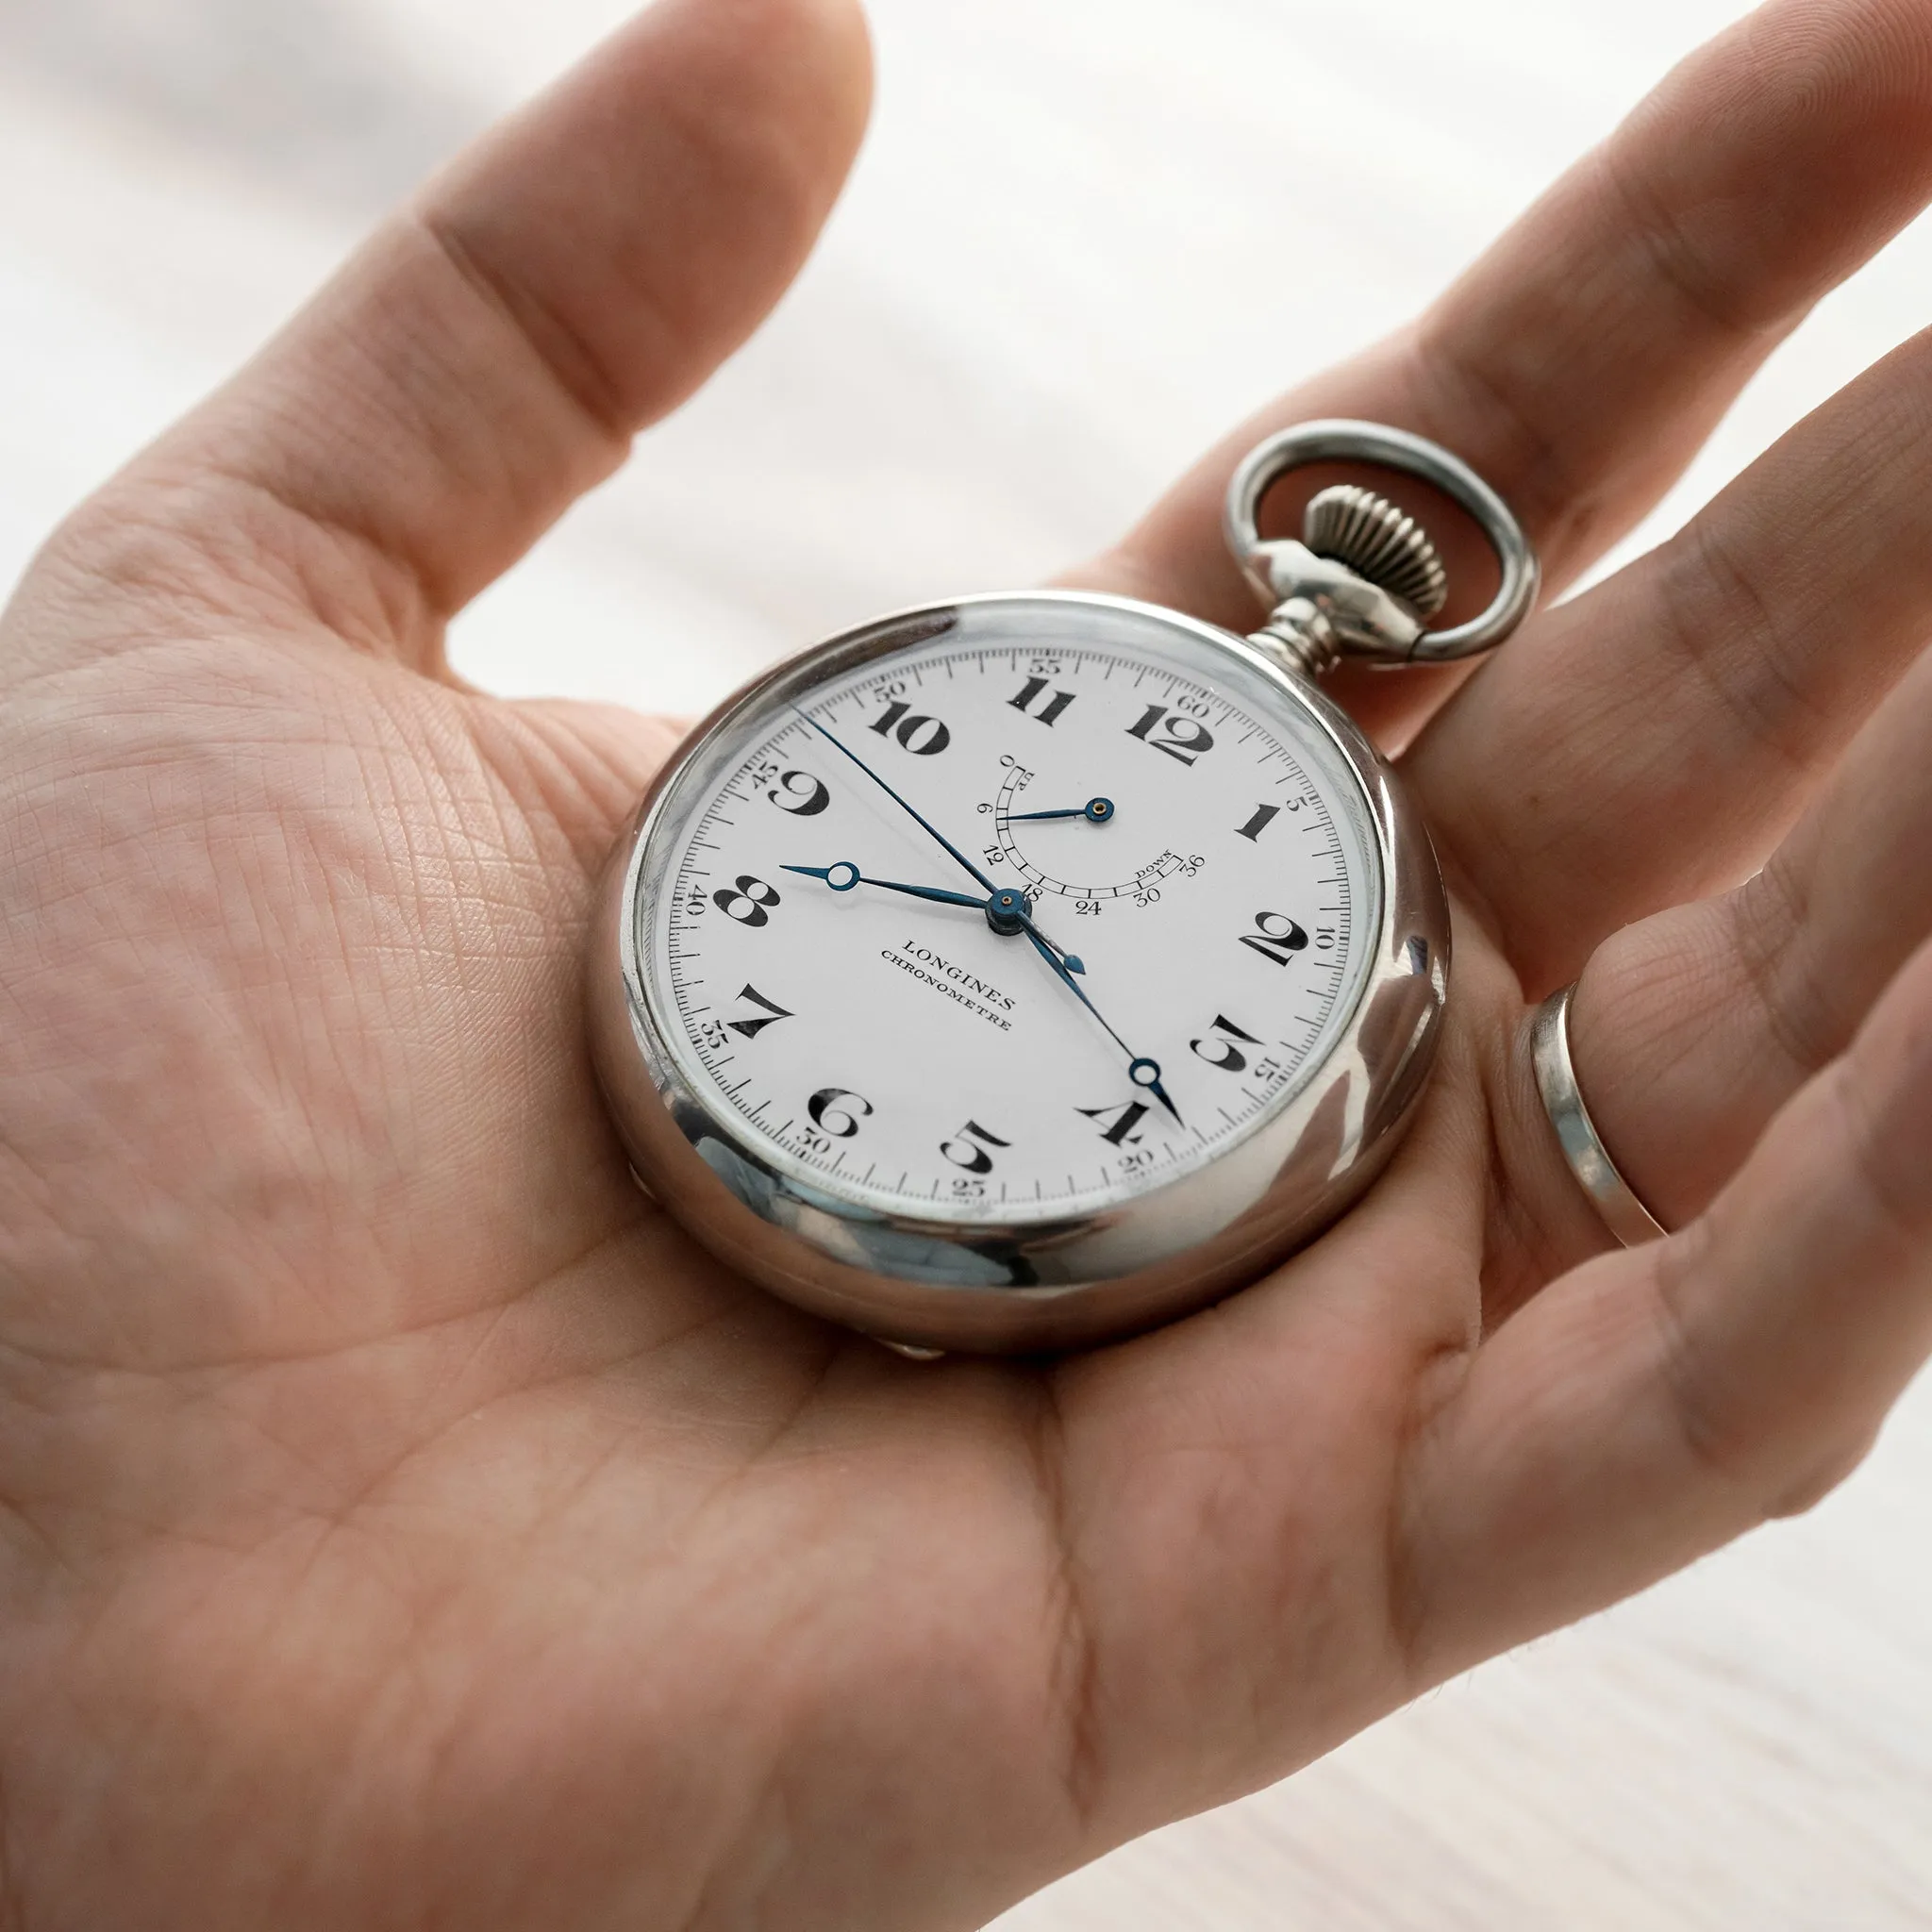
[(1582, 361)]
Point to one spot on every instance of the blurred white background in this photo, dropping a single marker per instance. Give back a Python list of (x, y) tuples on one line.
[(1086, 235)]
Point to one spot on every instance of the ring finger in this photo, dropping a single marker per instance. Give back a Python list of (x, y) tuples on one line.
[(1691, 1028), (1650, 741)]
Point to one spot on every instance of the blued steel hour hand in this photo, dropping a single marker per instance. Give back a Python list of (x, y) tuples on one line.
[(1096, 812), (1006, 911), (845, 876)]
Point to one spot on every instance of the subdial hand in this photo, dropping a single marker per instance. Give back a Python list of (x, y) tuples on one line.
[(1096, 812)]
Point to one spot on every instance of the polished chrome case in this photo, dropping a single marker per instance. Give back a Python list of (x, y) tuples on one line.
[(1010, 1289)]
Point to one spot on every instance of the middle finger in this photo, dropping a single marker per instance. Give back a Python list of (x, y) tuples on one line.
[(1652, 739), (1583, 360)]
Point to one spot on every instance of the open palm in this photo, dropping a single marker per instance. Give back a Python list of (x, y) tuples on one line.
[(405, 1525)]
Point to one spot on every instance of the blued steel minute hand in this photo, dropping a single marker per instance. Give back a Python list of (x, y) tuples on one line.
[(1141, 1070)]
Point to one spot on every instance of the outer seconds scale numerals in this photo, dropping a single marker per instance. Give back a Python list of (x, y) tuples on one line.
[(1003, 933)]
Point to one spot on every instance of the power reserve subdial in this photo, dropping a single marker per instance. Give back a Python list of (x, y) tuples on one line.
[(1060, 852)]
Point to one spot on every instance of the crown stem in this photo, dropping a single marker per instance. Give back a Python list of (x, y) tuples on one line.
[(1300, 638)]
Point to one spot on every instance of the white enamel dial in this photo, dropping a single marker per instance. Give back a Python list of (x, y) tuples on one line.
[(1212, 889)]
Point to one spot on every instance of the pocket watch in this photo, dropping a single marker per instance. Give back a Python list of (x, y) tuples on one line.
[(1027, 969)]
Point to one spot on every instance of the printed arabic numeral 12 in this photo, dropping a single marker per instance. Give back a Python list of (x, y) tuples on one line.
[(923, 737), (1275, 937), (1182, 738), (1050, 710), (963, 1152), (1124, 1121)]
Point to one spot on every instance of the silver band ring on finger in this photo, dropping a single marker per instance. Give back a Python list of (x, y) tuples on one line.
[(1615, 1200)]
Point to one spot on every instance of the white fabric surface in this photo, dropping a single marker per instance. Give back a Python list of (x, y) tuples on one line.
[(1085, 236)]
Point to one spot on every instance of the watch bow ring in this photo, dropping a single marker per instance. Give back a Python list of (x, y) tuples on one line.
[(1367, 539), (1018, 971)]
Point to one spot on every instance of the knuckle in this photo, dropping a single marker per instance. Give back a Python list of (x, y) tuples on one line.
[(1772, 943)]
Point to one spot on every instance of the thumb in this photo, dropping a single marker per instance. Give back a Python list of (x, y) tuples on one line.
[(489, 354)]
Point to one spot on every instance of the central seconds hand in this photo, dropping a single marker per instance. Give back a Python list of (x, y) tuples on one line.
[(932, 829), (1141, 1070)]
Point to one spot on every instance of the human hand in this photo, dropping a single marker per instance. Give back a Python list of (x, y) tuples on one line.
[(404, 1524)]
